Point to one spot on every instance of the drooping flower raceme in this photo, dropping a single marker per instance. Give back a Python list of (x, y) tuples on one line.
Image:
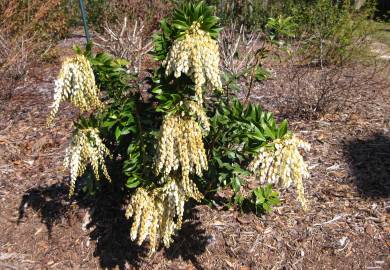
[(282, 164), (195, 54), (86, 147), (76, 84), (181, 147), (154, 213), (199, 114)]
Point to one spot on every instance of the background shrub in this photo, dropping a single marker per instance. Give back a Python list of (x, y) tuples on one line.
[(252, 13), (332, 33)]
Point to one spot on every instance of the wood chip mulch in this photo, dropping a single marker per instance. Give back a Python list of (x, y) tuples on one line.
[(347, 226)]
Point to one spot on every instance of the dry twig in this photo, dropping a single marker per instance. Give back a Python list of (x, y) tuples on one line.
[(237, 49), (127, 42)]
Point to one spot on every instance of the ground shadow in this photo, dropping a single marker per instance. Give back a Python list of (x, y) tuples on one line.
[(108, 226), (191, 241), (51, 202), (370, 165), (111, 232)]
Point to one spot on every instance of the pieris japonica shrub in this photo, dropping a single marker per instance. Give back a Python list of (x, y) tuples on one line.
[(183, 141)]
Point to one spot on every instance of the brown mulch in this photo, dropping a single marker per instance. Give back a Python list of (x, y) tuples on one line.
[(347, 226)]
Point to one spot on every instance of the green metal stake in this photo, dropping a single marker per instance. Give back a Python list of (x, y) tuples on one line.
[(84, 15)]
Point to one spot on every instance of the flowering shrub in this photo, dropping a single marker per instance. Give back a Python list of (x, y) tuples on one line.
[(177, 145)]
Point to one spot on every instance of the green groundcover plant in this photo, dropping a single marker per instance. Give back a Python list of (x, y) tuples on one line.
[(183, 140)]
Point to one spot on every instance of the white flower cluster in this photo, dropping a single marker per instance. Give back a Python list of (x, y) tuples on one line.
[(283, 165), (181, 146), (196, 54), (75, 83), (154, 213), (199, 114), (85, 148)]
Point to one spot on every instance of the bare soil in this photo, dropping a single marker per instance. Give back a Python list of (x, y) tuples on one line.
[(347, 226)]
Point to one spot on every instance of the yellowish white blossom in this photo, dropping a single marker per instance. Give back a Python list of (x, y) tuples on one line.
[(157, 213), (86, 147), (181, 147), (196, 54), (283, 165), (76, 84), (197, 111)]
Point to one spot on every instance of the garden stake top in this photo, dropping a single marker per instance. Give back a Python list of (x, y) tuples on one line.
[(178, 146), (85, 21)]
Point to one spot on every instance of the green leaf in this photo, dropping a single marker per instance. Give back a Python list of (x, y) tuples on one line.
[(117, 133), (120, 62), (266, 207), (109, 124), (231, 154), (236, 184), (127, 130), (260, 199), (261, 74), (133, 182), (267, 190), (274, 201), (282, 128), (164, 26), (180, 25), (257, 135), (239, 199), (157, 90), (268, 132)]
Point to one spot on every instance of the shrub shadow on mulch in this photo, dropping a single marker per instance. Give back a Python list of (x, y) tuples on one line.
[(190, 241), (108, 226), (111, 232), (370, 165), (50, 202)]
